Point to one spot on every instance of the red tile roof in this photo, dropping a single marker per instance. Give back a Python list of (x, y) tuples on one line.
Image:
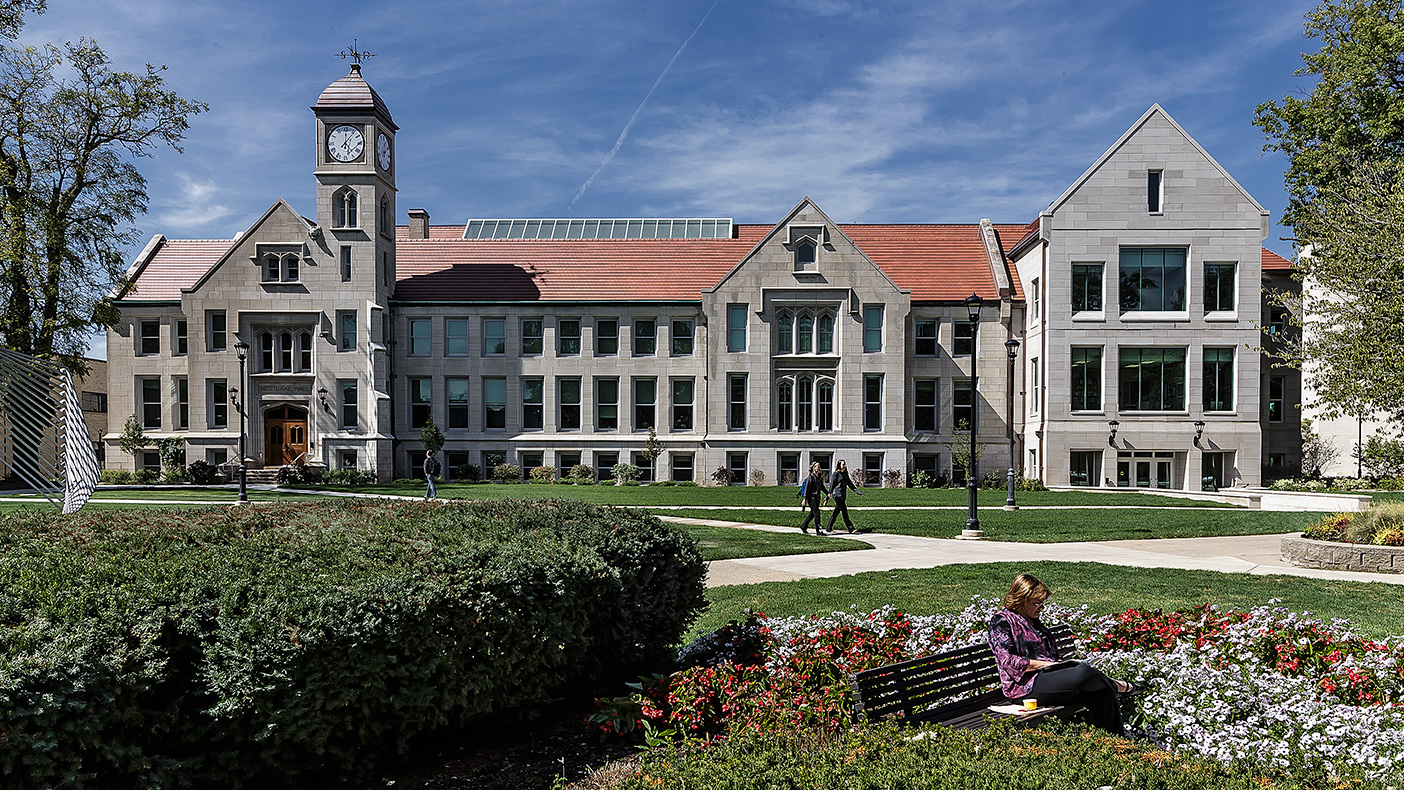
[(177, 264), (1274, 263)]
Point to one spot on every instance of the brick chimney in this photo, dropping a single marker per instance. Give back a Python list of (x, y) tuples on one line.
[(418, 223)]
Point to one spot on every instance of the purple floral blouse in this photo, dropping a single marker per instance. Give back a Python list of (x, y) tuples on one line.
[(1015, 639)]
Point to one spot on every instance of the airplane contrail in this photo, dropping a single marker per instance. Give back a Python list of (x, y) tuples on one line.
[(620, 142)]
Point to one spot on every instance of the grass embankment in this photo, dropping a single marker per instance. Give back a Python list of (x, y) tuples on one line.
[(1377, 608)]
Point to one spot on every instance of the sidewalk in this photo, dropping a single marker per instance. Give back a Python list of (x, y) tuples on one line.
[(1255, 554)]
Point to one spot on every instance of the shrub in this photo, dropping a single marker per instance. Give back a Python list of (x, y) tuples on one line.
[(471, 473), (1381, 517), (542, 474), (686, 483), (625, 473), (507, 473), (299, 474), (1332, 527), (892, 478), (757, 477), (293, 645), (582, 472), (922, 479), (994, 479), (721, 476), (348, 477), (201, 473), (175, 476), (145, 477), (115, 477), (1029, 484)]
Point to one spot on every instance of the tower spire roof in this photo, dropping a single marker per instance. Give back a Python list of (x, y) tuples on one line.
[(352, 92)]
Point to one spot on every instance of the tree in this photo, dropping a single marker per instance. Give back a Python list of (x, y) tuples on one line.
[(12, 15), (69, 126), (1383, 456), (431, 437), (965, 448), (133, 439), (652, 447), (1318, 452)]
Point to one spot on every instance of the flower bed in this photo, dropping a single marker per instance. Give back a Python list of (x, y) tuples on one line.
[(1266, 688)]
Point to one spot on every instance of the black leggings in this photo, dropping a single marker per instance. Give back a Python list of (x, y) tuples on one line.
[(840, 506), (813, 503), (1081, 685)]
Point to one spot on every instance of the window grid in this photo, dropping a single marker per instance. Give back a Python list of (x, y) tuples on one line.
[(150, 338), (607, 404), (925, 405), (1152, 379), (569, 389), (682, 337), (182, 338), (494, 404), (924, 337), (347, 341), (683, 394), (421, 401), (1153, 279), (182, 403), (1087, 287), (532, 337), (217, 396), (350, 405), (568, 337), (456, 396), (872, 403), (736, 327), (645, 403), (736, 402), (420, 341), (533, 408), (962, 405), (1219, 282), (217, 330), (494, 337), (456, 337), (1218, 379), (963, 337), (1086, 379), (872, 329), (606, 337), (645, 337)]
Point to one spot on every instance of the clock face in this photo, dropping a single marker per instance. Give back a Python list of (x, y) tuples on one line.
[(382, 151), (345, 143)]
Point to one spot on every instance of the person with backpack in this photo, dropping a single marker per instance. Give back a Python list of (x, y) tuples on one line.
[(811, 491), (839, 486), (431, 471)]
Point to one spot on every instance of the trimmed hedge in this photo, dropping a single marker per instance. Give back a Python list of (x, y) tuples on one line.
[(305, 644), (1000, 758)]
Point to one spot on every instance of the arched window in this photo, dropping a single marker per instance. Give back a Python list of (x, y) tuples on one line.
[(290, 269), (805, 335), (785, 334), (285, 351), (344, 209), (826, 334), (784, 400), (270, 268), (304, 352), (805, 256), (826, 405), (265, 352), (805, 404)]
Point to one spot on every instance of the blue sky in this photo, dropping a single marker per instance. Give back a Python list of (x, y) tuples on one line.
[(881, 111)]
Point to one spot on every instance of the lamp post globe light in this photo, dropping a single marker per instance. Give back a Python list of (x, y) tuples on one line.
[(1012, 346), (973, 303), (239, 401)]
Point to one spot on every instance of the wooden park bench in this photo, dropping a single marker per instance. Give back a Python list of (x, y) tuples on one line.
[(922, 690)]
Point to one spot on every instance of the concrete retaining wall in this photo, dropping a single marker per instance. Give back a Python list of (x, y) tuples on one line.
[(1308, 553)]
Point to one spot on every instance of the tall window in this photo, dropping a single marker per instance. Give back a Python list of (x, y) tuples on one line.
[(265, 351), (805, 335), (1035, 298), (1154, 184), (495, 404), (533, 408), (736, 402), (456, 393), (532, 337), (682, 404), (150, 338), (569, 398), (568, 337), (419, 337), (785, 334), (645, 337), (784, 405), (804, 403), (1152, 379), (1277, 398), (289, 268), (736, 327), (346, 264), (1086, 379), (825, 342), (925, 405), (872, 328), (347, 320), (1218, 379), (217, 403), (964, 337), (682, 336), (872, 403), (285, 352), (606, 337), (182, 403), (494, 337), (385, 223), (962, 405), (736, 465), (645, 403), (1153, 279), (182, 338), (1085, 468), (824, 412), (1034, 380), (607, 404), (304, 351), (1219, 282), (421, 401), (350, 405), (150, 390), (344, 209), (216, 331), (272, 268), (924, 337), (456, 337), (1087, 287)]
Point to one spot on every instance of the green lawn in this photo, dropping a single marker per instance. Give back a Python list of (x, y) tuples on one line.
[(729, 543), (1047, 526), (1376, 607)]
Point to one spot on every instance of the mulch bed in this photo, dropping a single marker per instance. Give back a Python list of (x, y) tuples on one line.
[(509, 751)]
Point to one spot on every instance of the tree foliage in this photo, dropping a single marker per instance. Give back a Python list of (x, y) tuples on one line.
[(70, 127), (431, 436), (133, 439)]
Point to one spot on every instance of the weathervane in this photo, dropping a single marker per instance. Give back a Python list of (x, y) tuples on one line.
[(354, 54)]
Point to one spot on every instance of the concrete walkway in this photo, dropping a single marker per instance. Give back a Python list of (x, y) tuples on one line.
[(1255, 554)]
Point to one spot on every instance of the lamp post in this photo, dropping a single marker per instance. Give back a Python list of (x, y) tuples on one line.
[(1012, 346), (239, 402), (973, 303)]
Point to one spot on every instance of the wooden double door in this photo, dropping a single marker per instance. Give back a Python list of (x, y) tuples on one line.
[(285, 432)]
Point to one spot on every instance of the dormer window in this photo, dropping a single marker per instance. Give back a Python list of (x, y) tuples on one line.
[(271, 266), (804, 243), (280, 268), (344, 209)]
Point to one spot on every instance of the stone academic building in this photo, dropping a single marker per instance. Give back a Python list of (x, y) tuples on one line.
[(1136, 297)]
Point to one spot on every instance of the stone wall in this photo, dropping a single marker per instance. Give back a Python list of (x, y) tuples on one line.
[(1308, 553)]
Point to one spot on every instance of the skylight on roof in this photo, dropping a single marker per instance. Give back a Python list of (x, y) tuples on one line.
[(598, 229)]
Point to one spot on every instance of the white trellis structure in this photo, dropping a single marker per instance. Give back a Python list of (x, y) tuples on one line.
[(43, 439)]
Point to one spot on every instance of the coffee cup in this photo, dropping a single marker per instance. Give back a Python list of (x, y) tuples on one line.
[(1030, 704)]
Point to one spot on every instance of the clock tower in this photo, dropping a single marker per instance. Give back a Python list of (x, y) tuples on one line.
[(356, 183)]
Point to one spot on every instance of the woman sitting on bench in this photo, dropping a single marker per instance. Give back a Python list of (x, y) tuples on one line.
[(1024, 651)]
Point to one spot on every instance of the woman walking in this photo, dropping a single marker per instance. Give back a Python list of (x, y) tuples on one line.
[(839, 486), (811, 492)]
